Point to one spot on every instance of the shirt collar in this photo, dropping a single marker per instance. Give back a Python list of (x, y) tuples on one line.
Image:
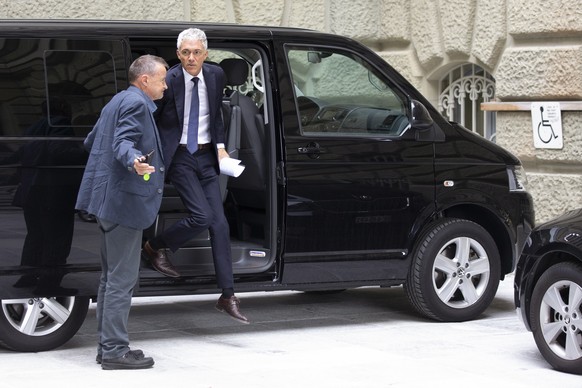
[(188, 77)]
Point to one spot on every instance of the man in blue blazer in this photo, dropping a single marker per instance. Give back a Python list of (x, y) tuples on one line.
[(123, 188), (192, 131)]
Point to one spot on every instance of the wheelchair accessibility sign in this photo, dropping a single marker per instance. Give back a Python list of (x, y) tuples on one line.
[(546, 121)]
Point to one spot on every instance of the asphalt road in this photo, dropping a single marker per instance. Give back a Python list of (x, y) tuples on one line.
[(358, 338)]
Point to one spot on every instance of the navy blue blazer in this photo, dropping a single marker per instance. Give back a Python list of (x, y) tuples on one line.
[(170, 113), (111, 189)]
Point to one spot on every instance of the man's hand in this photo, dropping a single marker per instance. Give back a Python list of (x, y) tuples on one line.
[(142, 168), (222, 153)]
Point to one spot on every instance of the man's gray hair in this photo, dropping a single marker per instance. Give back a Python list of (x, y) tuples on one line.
[(193, 34), (146, 64)]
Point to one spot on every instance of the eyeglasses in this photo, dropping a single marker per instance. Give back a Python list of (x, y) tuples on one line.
[(196, 53)]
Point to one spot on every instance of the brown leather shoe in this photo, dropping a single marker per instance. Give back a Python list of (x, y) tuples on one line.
[(230, 306), (159, 261)]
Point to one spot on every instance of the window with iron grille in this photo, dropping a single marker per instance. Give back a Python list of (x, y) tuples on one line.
[(461, 93)]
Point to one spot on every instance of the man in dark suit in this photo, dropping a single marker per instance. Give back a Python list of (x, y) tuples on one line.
[(117, 188), (192, 131)]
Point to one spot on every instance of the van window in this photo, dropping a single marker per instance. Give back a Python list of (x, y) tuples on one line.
[(338, 93), (53, 91), (65, 82), (82, 80)]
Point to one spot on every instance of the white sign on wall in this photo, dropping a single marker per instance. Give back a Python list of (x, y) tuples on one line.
[(546, 121)]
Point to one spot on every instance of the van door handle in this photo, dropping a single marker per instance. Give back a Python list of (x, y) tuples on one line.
[(308, 150), (311, 148)]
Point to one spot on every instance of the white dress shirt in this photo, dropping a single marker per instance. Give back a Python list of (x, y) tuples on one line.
[(204, 112)]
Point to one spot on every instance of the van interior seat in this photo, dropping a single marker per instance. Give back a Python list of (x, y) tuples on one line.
[(248, 190), (245, 141)]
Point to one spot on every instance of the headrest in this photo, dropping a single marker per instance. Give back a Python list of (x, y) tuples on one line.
[(236, 70)]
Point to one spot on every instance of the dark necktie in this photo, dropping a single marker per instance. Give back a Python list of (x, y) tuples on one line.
[(193, 120)]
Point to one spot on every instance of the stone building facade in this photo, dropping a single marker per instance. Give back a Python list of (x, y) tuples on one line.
[(532, 49)]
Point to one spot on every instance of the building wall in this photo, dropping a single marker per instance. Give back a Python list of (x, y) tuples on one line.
[(533, 48)]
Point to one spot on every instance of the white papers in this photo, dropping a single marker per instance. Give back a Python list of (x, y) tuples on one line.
[(231, 167)]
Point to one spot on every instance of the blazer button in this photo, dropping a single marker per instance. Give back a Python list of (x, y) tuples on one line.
[(160, 191), (162, 169)]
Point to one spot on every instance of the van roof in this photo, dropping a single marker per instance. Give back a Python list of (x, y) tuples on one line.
[(139, 28)]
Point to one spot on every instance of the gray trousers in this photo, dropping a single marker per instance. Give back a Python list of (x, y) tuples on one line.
[(120, 258)]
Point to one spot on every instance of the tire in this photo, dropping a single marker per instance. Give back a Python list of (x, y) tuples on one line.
[(40, 324), (455, 271), (556, 317)]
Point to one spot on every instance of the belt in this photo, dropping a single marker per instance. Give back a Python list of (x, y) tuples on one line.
[(205, 146)]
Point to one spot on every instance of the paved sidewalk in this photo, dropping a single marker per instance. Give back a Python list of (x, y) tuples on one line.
[(359, 338)]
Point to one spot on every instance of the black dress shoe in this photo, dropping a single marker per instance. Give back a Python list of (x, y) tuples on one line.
[(230, 306), (128, 361), (137, 353), (159, 261)]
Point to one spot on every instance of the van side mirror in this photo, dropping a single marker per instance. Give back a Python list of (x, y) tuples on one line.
[(317, 56), (421, 119), (423, 125)]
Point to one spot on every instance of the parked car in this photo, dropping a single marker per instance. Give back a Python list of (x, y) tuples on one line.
[(548, 290), (352, 178)]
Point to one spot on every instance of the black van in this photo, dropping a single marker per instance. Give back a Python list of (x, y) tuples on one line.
[(352, 178)]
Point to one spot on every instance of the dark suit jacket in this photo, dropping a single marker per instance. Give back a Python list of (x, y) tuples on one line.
[(170, 113), (110, 189)]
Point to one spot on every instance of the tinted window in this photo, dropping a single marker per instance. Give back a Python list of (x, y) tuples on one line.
[(82, 80), (51, 93), (63, 81)]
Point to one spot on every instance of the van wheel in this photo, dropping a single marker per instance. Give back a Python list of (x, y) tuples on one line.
[(556, 319), (39, 324), (455, 271)]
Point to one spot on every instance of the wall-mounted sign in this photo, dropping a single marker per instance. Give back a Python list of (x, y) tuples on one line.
[(546, 121)]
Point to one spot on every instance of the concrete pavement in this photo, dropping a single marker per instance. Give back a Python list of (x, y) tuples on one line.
[(358, 338)]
